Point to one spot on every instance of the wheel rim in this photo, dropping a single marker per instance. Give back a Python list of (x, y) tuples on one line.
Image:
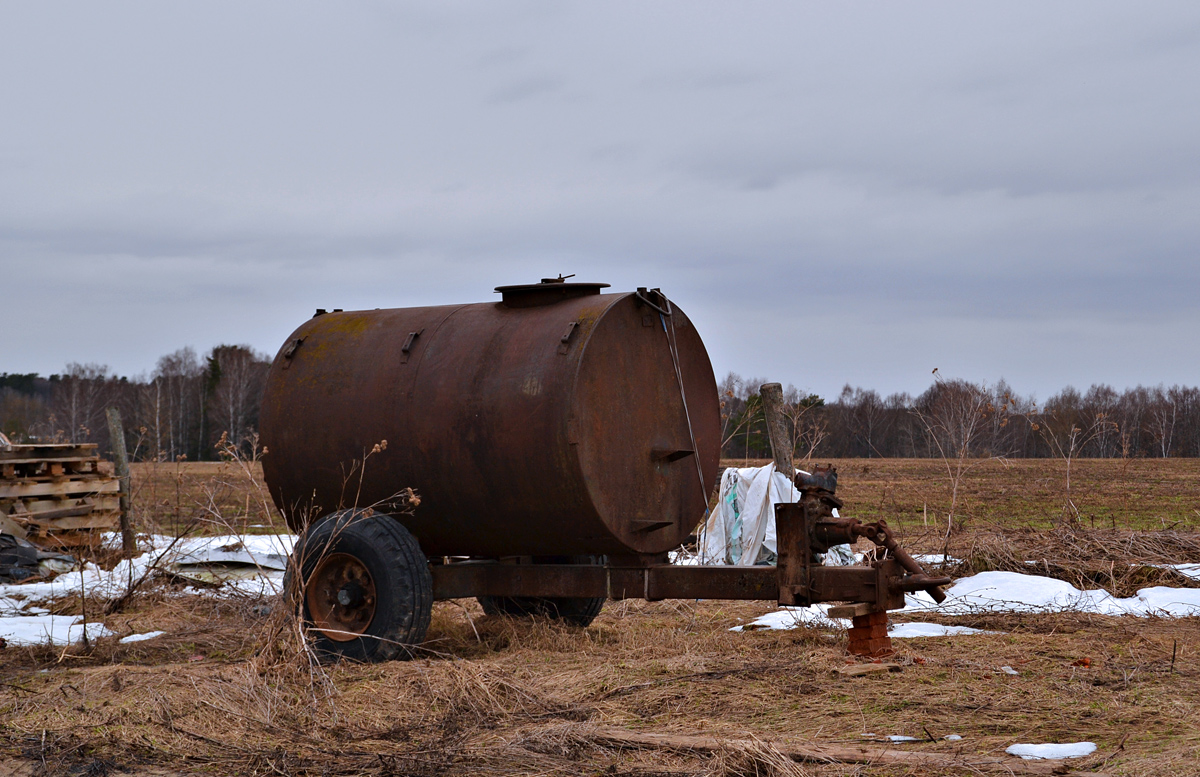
[(341, 597)]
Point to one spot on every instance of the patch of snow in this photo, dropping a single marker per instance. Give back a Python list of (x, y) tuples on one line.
[(952, 737), (1166, 601), (1187, 570), (142, 637), (935, 559), (250, 550), (683, 558), (901, 738), (1052, 751), (48, 629), (255, 561), (792, 617), (1003, 592), (910, 630), (1008, 670)]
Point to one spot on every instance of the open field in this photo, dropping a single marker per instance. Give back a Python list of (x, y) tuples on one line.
[(202, 496), (1145, 494), (228, 690), (1108, 493)]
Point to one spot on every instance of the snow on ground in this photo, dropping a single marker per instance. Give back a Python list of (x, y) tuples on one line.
[(683, 558), (792, 617), (269, 551), (250, 565), (43, 629), (142, 637), (1003, 592), (909, 630), (1015, 592), (1065, 750), (935, 559), (1188, 570)]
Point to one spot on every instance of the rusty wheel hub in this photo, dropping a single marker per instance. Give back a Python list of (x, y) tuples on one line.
[(341, 597)]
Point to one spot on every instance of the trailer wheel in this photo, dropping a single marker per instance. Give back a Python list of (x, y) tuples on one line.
[(364, 592), (572, 610)]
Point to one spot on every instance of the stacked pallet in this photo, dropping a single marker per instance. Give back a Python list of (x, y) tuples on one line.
[(57, 495)]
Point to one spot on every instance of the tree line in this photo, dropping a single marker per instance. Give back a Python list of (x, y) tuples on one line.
[(181, 411), (961, 419), (188, 405)]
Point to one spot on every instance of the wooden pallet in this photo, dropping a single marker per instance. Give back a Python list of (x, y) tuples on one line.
[(58, 495)]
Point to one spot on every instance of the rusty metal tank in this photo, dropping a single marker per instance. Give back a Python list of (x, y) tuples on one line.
[(550, 422)]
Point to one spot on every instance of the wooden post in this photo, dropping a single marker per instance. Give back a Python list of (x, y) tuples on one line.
[(116, 435), (781, 441)]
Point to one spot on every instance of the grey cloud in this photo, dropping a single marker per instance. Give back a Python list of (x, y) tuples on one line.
[(916, 181), (525, 89)]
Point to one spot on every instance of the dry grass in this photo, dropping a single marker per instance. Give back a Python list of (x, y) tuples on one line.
[(1120, 562), (1143, 494), (224, 692), (211, 496), (230, 690), (912, 494)]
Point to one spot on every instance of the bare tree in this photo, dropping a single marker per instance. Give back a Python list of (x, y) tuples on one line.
[(179, 376), (868, 418), (1164, 412), (1100, 410), (237, 375), (78, 400), (952, 414), (1060, 425), (806, 423)]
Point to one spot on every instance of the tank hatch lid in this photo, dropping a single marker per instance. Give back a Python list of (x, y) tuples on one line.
[(549, 291)]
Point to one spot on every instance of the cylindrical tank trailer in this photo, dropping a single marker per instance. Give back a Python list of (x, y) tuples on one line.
[(560, 441), (556, 421)]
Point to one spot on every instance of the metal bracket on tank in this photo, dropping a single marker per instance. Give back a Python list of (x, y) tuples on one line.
[(408, 344), (289, 350), (566, 338), (643, 295)]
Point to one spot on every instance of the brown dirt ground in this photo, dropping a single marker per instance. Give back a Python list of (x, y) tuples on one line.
[(228, 691)]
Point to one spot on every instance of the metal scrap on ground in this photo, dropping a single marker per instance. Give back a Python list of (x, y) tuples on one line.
[(250, 566)]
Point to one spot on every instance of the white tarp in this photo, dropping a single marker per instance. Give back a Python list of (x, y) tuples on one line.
[(741, 531)]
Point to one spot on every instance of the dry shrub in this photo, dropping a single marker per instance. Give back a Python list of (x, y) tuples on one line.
[(571, 742), (583, 743), (541, 704), (1121, 562), (466, 694), (752, 758)]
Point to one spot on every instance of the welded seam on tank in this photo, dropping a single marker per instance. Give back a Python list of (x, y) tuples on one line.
[(429, 340)]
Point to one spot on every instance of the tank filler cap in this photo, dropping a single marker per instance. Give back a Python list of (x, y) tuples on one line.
[(549, 291)]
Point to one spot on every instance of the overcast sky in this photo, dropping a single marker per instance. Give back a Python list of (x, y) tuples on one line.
[(835, 193)]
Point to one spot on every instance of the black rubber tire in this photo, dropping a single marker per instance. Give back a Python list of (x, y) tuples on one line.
[(400, 571), (573, 610)]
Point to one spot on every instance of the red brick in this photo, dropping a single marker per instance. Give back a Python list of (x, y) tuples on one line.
[(870, 619), (872, 632), (871, 647)]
